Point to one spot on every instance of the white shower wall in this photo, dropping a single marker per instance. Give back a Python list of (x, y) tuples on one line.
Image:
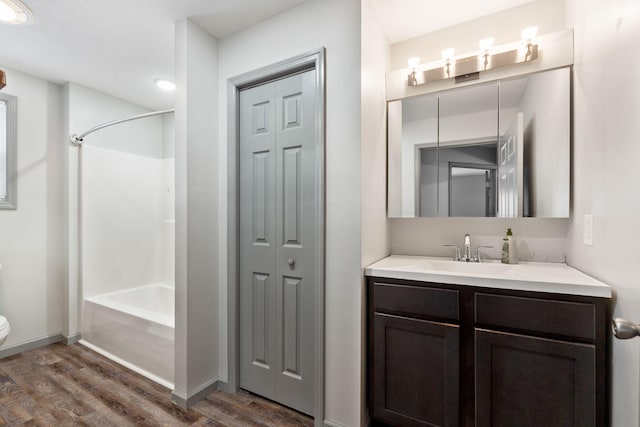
[(127, 214)]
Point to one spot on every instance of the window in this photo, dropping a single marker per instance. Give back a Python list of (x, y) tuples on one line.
[(8, 148)]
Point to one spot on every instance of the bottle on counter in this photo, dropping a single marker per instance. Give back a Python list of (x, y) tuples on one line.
[(509, 249)]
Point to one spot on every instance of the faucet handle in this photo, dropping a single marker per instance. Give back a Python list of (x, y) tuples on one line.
[(457, 256), (477, 256)]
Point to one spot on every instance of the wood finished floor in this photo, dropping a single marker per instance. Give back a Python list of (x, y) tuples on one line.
[(61, 385)]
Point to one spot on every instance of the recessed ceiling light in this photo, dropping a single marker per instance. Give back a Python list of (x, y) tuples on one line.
[(14, 12), (166, 84)]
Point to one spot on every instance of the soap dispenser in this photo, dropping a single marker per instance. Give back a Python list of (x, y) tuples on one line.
[(509, 249)]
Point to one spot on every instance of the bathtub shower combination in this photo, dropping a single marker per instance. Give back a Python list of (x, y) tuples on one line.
[(128, 240), (134, 327)]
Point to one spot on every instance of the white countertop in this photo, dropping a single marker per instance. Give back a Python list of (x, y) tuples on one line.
[(557, 278)]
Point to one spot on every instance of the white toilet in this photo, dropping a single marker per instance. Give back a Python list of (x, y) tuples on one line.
[(4, 329)]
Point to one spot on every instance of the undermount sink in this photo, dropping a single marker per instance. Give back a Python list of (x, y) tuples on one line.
[(490, 267)]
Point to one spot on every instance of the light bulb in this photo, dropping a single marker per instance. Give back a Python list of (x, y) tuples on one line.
[(14, 12), (7, 13), (529, 33), (414, 62), (166, 84), (447, 54), (486, 45)]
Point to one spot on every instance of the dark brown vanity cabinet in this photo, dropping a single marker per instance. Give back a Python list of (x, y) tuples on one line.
[(449, 355)]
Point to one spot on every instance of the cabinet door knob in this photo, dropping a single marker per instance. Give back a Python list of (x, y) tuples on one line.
[(291, 262)]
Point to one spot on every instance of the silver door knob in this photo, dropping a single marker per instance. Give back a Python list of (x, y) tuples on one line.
[(291, 262), (624, 329)]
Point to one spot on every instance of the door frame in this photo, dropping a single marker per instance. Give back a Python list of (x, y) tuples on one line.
[(312, 60)]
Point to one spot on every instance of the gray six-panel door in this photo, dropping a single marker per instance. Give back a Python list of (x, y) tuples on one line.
[(277, 231)]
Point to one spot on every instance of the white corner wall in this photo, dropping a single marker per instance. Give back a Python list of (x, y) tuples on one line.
[(606, 97), (334, 24), (33, 260), (375, 63), (196, 154), (373, 122)]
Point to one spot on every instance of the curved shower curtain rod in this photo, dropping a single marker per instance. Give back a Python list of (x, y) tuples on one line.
[(77, 140)]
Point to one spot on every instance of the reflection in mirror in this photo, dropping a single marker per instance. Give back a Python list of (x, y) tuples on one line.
[(472, 189), (412, 127), (468, 123), (496, 149), (535, 135)]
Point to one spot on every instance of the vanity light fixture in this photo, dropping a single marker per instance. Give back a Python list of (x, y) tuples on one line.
[(14, 12), (468, 67), (165, 84)]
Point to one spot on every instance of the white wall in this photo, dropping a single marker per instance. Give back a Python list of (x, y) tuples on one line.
[(334, 24), (124, 233), (374, 223), (196, 358), (606, 96), (89, 108), (537, 239), (31, 254)]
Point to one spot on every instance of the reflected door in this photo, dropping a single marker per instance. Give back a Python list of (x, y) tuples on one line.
[(471, 190), (510, 200), (277, 248)]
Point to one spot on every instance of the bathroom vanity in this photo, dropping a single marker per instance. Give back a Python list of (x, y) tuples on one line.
[(486, 344)]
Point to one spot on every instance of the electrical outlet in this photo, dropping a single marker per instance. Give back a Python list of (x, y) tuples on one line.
[(588, 230)]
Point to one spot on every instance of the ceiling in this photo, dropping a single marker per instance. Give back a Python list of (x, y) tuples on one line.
[(120, 46)]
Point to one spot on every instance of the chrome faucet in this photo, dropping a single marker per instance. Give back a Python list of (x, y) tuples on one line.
[(467, 251), (467, 248)]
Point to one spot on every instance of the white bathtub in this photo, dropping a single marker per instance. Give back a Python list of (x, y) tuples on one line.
[(134, 327)]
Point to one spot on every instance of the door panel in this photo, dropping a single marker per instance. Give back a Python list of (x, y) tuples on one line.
[(292, 195), (291, 331), (278, 219), (530, 382), (296, 213), (257, 239), (416, 372), (261, 322)]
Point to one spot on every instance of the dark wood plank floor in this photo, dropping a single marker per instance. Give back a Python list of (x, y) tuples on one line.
[(72, 385)]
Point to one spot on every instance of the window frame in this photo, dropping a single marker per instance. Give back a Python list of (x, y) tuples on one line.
[(12, 150)]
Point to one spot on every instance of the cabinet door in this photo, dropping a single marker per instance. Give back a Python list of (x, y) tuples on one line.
[(526, 381), (415, 372)]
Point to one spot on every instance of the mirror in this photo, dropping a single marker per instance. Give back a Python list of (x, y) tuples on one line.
[(498, 149)]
